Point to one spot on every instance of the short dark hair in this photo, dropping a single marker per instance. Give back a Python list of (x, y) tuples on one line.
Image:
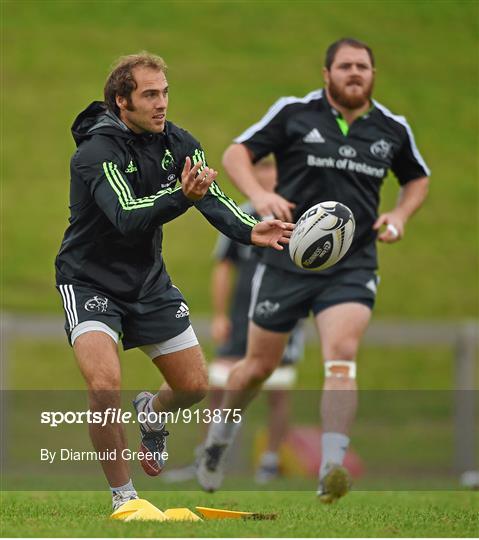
[(121, 82), (350, 42)]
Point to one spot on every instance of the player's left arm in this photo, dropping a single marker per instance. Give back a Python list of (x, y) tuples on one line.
[(226, 216), (411, 197), (413, 175)]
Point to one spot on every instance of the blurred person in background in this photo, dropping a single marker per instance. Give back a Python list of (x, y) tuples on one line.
[(334, 144), (132, 172), (231, 296), (230, 328)]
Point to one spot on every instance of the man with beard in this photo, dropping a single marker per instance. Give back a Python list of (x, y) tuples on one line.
[(334, 144)]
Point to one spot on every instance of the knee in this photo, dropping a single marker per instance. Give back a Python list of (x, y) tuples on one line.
[(198, 394), (101, 382), (259, 371), (101, 399), (344, 350), (195, 391), (104, 392)]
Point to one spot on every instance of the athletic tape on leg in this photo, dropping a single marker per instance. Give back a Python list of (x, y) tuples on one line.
[(340, 369)]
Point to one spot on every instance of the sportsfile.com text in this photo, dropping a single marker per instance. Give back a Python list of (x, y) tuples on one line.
[(117, 416)]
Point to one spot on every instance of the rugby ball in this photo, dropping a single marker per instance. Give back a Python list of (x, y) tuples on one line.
[(322, 236)]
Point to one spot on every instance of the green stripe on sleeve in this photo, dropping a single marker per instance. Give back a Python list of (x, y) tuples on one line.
[(122, 190), (215, 190), (199, 155), (232, 206)]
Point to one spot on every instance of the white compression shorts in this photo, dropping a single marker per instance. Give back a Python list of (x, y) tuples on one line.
[(182, 341)]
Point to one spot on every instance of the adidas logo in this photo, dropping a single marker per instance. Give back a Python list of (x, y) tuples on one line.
[(183, 311), (313, 137), (131, 167), (371, 285)]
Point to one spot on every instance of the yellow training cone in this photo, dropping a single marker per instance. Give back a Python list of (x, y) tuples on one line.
[(217, 513), (138, 509), (147, 514), (181, 514)]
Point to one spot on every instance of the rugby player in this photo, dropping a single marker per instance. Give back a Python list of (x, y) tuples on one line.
[(133, 171), (337, 144)]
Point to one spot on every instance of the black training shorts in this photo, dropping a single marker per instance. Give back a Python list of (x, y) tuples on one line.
[(160, 316), (280, 298), (235, 347)]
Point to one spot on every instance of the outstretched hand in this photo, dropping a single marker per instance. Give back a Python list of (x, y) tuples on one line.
[(272, 233), (394, 227), (195, 184)]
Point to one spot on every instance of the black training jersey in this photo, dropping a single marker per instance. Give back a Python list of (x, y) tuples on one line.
[(123, 188), (318, 162)]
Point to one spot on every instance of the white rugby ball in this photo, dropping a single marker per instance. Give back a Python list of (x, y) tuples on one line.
[(322, 236)]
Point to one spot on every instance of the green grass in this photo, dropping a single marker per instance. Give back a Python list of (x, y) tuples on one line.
[(404, 426), (380, 368), (229, 61), (360, 514)]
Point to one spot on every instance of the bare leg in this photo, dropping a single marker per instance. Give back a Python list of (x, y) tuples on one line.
[(341, 328), (265, 349), (278, 418), (186, 379), (186, 383), (264, 353), (97, 357), (216, 393)]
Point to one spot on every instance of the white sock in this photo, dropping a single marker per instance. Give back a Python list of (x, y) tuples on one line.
[(152, 426), (127, 487), (222, 433), (269, 459), (333, 449)]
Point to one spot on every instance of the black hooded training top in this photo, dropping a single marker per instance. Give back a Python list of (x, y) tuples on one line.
[(320, 159), (123, 188)]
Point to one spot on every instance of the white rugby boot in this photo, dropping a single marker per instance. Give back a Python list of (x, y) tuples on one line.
[(210, 470), (119, 498), (152, 442)]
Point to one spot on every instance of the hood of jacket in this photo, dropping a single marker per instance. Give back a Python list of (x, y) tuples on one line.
[(96, 118)]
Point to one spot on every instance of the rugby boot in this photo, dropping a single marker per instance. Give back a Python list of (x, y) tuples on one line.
[(334, 484), (152, 441), (211, 466)]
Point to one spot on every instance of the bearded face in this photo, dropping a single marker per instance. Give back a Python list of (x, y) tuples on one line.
[(352, 94), (350, 80)]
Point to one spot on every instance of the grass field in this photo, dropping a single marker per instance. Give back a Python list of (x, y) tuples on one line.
[(437, 364), (229, 61), (360, 514)]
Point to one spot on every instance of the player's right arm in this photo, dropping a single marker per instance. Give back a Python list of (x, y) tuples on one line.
[(238, 163), (100, 170), (267, 136), (220, 296), (227, 258)]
